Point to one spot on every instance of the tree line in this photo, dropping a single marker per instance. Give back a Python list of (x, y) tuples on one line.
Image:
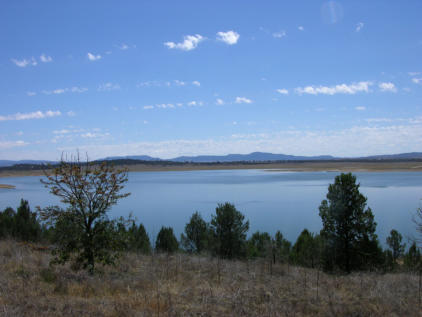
[(83, 234)]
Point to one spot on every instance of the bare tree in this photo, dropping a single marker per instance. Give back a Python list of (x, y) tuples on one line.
[(83, 231)]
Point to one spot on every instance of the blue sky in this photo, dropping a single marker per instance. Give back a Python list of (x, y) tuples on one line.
[(170, 78)]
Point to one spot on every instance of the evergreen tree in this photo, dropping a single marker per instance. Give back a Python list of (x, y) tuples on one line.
[(229, 231), (395, 245), (166, 240), (307, 249), (413, 259), (259, 245), (348, 231), (7, 223), (26, 225), (138, 239), (196, 236), (282, 247)]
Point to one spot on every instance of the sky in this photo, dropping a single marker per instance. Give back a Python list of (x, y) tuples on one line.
[(172, 78)]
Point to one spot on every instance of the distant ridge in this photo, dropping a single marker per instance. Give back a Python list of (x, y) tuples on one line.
[(251, 157), (4, 163), (132, 157)]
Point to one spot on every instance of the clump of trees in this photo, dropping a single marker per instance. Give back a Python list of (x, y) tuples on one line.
[(22, 224), (83, 234)]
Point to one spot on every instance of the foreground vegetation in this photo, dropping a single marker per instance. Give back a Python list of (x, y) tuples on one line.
[(181, 284), (109, 267)]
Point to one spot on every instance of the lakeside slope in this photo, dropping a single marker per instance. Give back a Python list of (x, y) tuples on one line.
[(296, 166)]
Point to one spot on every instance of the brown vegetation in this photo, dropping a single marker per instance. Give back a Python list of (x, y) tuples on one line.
[(184, 285), (7, 186), (308, 166)]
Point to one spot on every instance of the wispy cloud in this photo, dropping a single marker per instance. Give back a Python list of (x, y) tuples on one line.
[(11, 144), (219, 102), (229, 37), (25, 62), (94, 135), (65, 90), (190, 42), (93, 57), (417, 80), (301, 28), (31, 93), (148, 107), (283, 91), (46, 59), (387, 87), (156, 83), (124, 47), (108, 87), (372, 140), (359, 26), (350, 89), (360, 108), (279, 34), (414, 73), (31, 115), (243, 100)]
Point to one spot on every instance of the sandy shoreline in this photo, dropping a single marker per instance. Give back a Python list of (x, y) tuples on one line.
[(271, 167), (5, 186)]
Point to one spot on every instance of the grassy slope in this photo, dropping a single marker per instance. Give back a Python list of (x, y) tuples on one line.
[(183, 285)]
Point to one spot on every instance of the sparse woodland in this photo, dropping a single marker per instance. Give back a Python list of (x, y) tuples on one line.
[(77, 261)]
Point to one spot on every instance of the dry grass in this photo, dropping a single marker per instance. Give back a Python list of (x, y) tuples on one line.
[(182, 285)]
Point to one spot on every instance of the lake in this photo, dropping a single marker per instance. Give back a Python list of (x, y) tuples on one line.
[(271, 200)]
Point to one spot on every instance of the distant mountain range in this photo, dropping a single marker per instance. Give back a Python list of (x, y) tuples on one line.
[(4, 163), (252, 157)]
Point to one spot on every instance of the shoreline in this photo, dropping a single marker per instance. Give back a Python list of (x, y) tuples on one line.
[(270, 167), (5, 186)]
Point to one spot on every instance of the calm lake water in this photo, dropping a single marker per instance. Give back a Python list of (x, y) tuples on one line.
[(286, 201)]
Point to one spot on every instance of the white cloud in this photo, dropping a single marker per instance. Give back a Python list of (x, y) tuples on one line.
[(417, 80), (45, 59), (179, 83), (90, 135), (196, 83), (148, 107), (60, 91), (279, 34), (351, 89), (219, 102), (360, 108), (359, 26), (31, 115), (189, 43), (31, 93), (93, 57), (301, 28), (11, 144), (387, 87), (108, 87), (242, 100), (414, 73), (229, 37), (124, 47), (192, 103), (372, 140), (283, 91), (24, 62)]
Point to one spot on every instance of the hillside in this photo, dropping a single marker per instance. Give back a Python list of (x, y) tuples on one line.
[(183, 285)]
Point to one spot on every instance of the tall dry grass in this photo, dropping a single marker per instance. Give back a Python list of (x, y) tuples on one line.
[(183, 285)]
